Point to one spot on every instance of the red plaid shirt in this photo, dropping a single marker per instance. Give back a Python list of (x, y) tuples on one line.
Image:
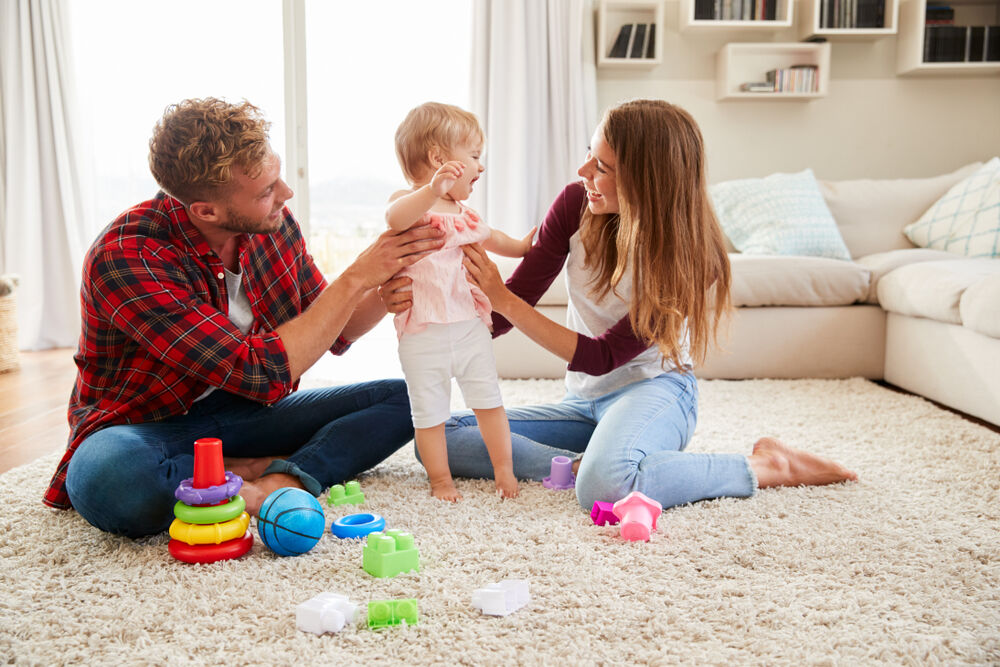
[(156, 331)]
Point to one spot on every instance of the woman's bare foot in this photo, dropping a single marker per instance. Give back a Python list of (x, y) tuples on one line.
[(506, 484), (777, 464), (256, 491), (248, 468), (445, 491)]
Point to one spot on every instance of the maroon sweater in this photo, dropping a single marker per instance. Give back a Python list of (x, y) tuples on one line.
[(540, 266)]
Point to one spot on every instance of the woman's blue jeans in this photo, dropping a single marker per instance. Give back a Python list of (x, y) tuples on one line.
[(634, 440), (122, 478)]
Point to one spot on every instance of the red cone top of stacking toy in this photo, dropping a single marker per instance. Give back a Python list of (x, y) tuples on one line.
[(208, 467)]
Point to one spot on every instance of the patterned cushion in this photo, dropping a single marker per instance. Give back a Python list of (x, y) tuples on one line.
[(966, 220), (781, 214)]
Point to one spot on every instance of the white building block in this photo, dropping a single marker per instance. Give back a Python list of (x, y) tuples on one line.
[(502, 598), (327, 612)]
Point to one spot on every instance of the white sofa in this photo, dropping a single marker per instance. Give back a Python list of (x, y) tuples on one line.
[(924, 320)]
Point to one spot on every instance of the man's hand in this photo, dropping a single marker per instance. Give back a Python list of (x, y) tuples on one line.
[(397, 294), (391, 252)]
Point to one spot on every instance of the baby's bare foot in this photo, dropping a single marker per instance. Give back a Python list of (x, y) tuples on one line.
[(506, 485), (777, 464), (445, 491)]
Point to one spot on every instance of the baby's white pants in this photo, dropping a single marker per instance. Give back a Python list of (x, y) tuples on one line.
[(432, 357)]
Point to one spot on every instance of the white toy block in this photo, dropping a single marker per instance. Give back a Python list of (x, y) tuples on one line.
[(502, 598), (327, 612)]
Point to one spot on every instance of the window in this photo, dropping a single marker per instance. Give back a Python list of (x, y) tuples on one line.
[(367, 65), (132, 59)]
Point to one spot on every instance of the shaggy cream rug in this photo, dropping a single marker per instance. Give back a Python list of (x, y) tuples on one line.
[(902, 567)]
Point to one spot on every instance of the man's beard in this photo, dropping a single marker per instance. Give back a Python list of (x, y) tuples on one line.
[(240, 224)]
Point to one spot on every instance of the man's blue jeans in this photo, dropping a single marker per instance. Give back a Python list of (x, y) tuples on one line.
[(122, 478), (634, 440)]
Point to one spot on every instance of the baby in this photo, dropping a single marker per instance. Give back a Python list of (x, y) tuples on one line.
[(445, 334)]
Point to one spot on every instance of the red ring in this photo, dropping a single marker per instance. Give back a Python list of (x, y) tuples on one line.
[(209, 553)]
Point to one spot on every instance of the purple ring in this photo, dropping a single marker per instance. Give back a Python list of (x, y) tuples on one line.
[(189, 495)]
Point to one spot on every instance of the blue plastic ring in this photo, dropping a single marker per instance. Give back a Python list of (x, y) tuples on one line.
[(357, 525)]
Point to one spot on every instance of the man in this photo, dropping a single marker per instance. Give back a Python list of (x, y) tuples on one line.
[(201, 310)]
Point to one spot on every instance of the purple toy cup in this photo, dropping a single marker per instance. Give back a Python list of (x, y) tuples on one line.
[(560, 474)]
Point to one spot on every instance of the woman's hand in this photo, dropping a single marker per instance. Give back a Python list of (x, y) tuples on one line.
[(485, 275), (397, 294)]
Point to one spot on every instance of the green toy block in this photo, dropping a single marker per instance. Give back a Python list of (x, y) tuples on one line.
[(385, 613), (349, 495), (390, 553)]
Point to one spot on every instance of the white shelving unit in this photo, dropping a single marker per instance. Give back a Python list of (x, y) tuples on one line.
[(687, 22), (612, 15), (809, 23), (910, 44), (739, 63)]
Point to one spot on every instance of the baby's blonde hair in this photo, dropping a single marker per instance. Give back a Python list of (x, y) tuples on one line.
[(433, 124)]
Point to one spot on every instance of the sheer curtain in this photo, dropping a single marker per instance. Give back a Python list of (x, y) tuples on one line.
[(534, 87), (42, 225)]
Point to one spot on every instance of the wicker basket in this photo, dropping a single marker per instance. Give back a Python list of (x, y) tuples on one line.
[(8, 333)]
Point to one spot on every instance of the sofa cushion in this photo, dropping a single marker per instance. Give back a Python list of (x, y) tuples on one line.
[(871, 213), (882, 263), (966, 219), (980, 306), (781, 214), (933, 289), (796, 281)]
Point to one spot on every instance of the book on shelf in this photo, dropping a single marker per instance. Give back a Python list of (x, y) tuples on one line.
[(795, 79), (651, 41), (638, 49), (735, 10), (957, 44), (623, 42)]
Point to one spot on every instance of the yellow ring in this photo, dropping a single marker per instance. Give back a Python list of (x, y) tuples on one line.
[(209, 533)]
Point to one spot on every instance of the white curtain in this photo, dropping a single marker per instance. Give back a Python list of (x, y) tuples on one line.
[(534, 87), (42, 209)]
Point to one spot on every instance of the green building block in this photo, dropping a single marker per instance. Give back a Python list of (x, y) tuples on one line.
[(349, 495), (385, 613), (390, 553)]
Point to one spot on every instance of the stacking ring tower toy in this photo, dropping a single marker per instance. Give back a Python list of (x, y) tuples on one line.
[(211, 523)]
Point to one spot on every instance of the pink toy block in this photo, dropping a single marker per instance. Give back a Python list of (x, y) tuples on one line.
[(638, 515), (602, 514)]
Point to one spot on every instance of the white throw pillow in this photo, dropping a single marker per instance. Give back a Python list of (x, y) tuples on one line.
[(780, 214), (966, 220)]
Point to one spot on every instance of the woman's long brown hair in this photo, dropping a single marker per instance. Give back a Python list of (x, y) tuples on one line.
[(666, 232)]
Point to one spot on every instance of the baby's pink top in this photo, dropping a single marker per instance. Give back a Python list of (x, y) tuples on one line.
[(441, 294)]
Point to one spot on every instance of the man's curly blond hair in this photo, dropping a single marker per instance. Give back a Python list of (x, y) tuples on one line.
[(198, 142)]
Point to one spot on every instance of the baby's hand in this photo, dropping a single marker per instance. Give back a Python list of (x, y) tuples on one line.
[(527, 241), (444, 178), (506, 484)]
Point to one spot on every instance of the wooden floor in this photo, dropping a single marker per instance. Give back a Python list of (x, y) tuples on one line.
[(33, 401)]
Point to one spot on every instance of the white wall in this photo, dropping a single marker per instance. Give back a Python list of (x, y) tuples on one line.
[(873, 124)]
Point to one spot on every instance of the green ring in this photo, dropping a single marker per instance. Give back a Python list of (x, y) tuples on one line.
[(211, 514)]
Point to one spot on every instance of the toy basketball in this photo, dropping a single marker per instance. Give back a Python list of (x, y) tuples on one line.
[(290, 522)]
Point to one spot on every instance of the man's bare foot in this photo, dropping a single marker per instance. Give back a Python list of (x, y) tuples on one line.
[(506, 484), (248, 468), (777, 464), (445, 491), (256, 492)]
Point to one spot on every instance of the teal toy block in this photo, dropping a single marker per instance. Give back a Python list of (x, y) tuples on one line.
[(386, 613), (390, 553), (345, 495)]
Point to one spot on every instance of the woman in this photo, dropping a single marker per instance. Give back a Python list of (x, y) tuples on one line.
[(648, 280)]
